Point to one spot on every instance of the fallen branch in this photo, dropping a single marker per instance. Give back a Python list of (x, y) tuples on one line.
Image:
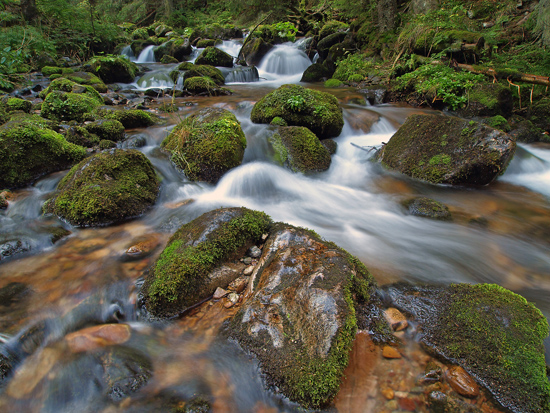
[(250, 36)]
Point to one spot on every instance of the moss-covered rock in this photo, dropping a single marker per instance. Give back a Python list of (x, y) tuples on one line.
[(177, 48), (214, 57), (316, 72), (277, 121), (333, 83), (85, 78), (108, 187), (106, 144), (17, 104), (207, 144), (298, 106), (112, 69), (448, 150), (427, 208), (167, 59), (331, 27), (110, 129), (205, 70), (131, 118), (539, 114), (192, 265), (300, 320), (489, 99), (254, 51), (29, 151), (80, 136), (325, 44), (525, 131), (66, 85), (203, 85), (51, 70), (497, 122), (203, 43), (299, 149), (494, 334), (69, 106)]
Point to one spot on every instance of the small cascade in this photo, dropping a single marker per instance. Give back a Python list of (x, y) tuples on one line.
[(128, 53), (194, 54), (155, 80), (284, 60), (231, 47), (147, 55), (242, 74), (530, 167)]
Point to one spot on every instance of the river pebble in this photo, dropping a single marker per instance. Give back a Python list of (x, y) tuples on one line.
[(461, 382)]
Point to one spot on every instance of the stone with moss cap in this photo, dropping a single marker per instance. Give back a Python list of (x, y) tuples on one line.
[(300, 320), (69, 106), (299, 149), (298, 106), (207, 144), (112, 69), (66, 85), (494, 334), (131, 118), (427, 208), (28, 151), (203, 85), (214, 57), (14, 104), (448, 150), (195, 261), (89, 79), (111, 186), (205, 70), (110, 129)]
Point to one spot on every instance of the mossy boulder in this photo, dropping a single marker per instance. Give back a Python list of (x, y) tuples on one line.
[(300, 317), (86, 78), (51, 70), (15, 104), (205, 70), (214, 57), (331, 27), (66, 85), (110, 129), (131, 118), (80, 136), (539, 114), (207, 144), (427, 208), (167, 59), (69, 106), (112, 69), (316, 72), (203, 43), (300, 150), (111, 186), (494, 334), (178, 49), (298, 106), (325, 44), (198, 259), (489, 99), (29, 151), (525, 131), (254, 51), (331, 83), (497, 122), (203, 85), (448, 150)]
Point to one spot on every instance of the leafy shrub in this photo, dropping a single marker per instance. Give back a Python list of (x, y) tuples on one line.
[(353, 64)]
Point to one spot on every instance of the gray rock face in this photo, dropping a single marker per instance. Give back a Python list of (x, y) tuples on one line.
[(448, 150)]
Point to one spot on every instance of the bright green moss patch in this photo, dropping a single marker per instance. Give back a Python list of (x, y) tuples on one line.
[(197, 85), (68, 106), (214, 57), (333, 83), (110, 129), (179, 278), (13, 104), (298, 106), (51, 70), (111, 186), (133, 118), (205, 70), (207, 144), (29, 151), (299, 148), (112, 69)]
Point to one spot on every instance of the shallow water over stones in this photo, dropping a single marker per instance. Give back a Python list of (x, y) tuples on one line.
[(499, 234)]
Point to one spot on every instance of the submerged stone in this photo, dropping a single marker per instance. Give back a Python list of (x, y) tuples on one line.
[(198, 257), (207, 144), (494, 334), (300, 319), (448, 150), (108, 187), (298, 106), (428, 208)]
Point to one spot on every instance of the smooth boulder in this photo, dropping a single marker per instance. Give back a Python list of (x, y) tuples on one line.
[(448, 150), (214, 57)]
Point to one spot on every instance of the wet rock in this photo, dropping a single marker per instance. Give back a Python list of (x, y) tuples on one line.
[(300, 318), (12, 293), (3, 202), (247, 260), (396, 319), (254, 252), (461, 382), (238, 285), (439, 402), (114, 69), (10, 248), (131, 118), (298, 106), (488, 100), (198, 259), (448, 150), (143, 247), (428, 208), (390, 352), (232, 299), (248, 270), (207, 144), (494, 334), (109, 129), (388, 393), (297, 148), (219, 293), (108, 187), (432, 373), (254, 51), (214, 57), (526, 131), (96, 337), (317, 72), (203, 85)]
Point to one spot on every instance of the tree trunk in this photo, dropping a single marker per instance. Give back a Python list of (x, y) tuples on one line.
[(387, 13), (28, 7)]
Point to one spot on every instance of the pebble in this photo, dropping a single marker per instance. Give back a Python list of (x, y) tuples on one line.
[(219, 293), (462, 382), (232, 299), (98, 336), (248, 270), (388, 393), (238, 285), (255, 252), (390, 352), (247, 260), (396, 319)]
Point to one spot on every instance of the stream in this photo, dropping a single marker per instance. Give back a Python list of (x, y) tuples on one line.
[(500, 234)]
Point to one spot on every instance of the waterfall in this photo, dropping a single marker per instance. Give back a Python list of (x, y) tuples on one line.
[(284, 62), (128, 53), (242, 74), (147, 55)]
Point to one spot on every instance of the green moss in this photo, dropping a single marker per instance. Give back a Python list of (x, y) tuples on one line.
[(300, 149), (498, 335), (204, 70), (13, 104), (167, 59), (203, 84), (277, 121), (354, 65), (51, 70), (68, 106), (89, 79), (333, 83), (133, 118), (106, 144), (112, 69), (214, 57), (28, 151), (207, 144), (66, 85), (206, 43), (331, 27), (80, 136), (181, 270), (108, 187), (109, 129), (298, 106), (498, 122)]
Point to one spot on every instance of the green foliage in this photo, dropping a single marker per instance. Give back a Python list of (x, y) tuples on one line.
[(335, 82), (543, 21), (296, 103), (440, 82), (332, 27), (353, 65)]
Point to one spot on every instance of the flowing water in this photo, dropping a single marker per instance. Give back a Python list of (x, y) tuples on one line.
[(500, 234)]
